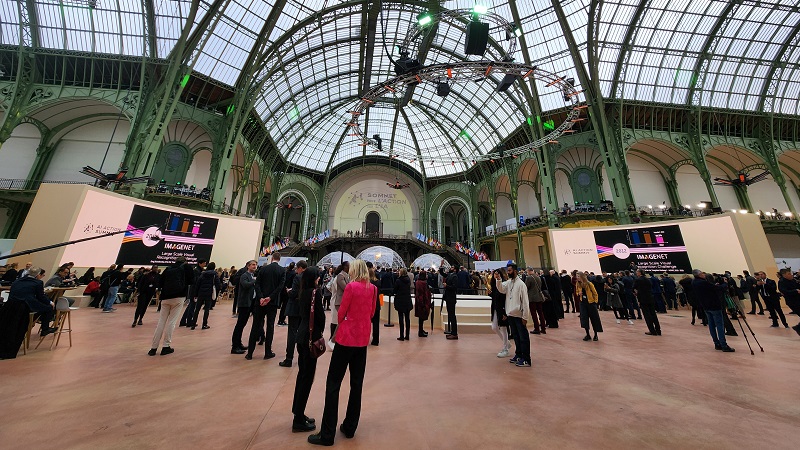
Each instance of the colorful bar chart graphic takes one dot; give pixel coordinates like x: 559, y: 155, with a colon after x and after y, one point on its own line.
x: 639, y: 238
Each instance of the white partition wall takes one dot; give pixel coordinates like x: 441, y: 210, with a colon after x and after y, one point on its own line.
x: 156, y: 234
x: 734, y: 242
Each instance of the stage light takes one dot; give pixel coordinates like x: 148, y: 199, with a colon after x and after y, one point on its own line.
x: 518, y: 31
x: 480, y: 9
x: 424, y: 19
x: 733, y: 211
x: 377, y: 138
x: 787, y: 214
x: 743, y: 211
x: 506, y: 82
x: 701, y: 205
x: 662, y: 206
x: 688, y: 206
x: 442, y: 89
x: 650, y: 206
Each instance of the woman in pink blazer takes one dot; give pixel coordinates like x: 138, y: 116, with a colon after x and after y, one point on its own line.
x: 352, y: 337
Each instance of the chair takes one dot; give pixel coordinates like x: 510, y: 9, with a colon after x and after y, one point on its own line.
x: 62, y: 323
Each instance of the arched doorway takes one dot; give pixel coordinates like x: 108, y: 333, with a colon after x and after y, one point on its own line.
x: 372, y: 223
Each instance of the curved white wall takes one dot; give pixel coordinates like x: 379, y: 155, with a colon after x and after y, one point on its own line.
x: 766, y: 195
x: 198, y: 172
x: 504, y: 210
x: 647, y: 183
x: 526, y: 201
x: 563, y: 189
x: 367, y: 192
x: 19, y: 152
x: 86, y: 146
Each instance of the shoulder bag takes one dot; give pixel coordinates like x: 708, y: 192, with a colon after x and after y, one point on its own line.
x: 316, y: 347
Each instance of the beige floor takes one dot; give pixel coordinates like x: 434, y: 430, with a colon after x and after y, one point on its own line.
x: 626, y: 391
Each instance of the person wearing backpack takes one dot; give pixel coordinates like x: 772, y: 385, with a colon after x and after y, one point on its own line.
x: 173, y: 284
x: 114, y: 281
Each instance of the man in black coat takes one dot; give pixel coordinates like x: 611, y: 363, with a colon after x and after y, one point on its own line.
x: 270, y: 279
x: 553, y: 305
x: 752, y: 287
x: 632, y: 303
x: 186, y: 320
x: 293, y: 313
x: 711, y: 297
x: 463, y: 281
x: 566, y: 288
x: 26, y: 296
x: 790, y: 289
x: 248, y: 294
x: 643, y: 289
x: 288, y: 282
x: 449, y: 297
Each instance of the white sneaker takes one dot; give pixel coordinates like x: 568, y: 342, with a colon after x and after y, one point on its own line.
x: 630, y: 322
x: 503, y: 354
x: 617, y: 321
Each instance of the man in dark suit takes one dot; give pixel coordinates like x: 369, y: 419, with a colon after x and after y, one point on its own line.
x: 249, y: 293
x: 449, y: 297
x: 753, y: 288
x: 463, y: 281
x: 643, y: 289
x: 293, y: 313
x: 270, y: 282
x: 790, y: 289
x: 30, y: 289
x: 772, y: 298
x: 26, y: 295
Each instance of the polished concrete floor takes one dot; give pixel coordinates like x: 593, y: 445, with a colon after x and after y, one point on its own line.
x: 626, y: 391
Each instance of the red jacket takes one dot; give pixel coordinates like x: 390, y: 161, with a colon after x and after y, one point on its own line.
x: 91, y: 288
x: 355, y: 314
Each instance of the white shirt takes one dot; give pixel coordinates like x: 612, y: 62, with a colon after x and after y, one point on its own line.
x: 516, y: 297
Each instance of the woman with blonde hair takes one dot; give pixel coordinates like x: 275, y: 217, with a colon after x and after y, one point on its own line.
x: 352, y: 337
x: 587, y: 294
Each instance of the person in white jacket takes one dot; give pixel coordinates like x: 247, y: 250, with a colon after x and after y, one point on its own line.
x: 518, y: 311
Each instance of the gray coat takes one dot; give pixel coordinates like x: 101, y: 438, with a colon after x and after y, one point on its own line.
x: 248, y: 290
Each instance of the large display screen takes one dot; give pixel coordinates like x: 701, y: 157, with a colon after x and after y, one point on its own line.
x: 708, y: 243
x: 157, y: 236
x: 654, y: 249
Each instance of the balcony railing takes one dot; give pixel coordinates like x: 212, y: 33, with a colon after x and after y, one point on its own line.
x: 32, y: 185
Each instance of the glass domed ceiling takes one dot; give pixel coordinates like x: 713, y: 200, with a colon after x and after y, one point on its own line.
x: 323, y: 53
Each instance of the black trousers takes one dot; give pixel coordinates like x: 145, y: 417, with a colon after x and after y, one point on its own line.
x: 343, y: 357
x: 452, y: 322
x: 291, y: 338
x: 775, y: 311
x: 188, y: 314
x: 282, y: 316
x: 241, y: 322
x: 376, y: 325
x: 142, y: 302
x: 206, y: 304
x: 754, y: 299
x: 795, y: 307
x: 261, y: 314
x: 633, y: 305
x: 404, y: 317
x: 307, y: 368
x: 650, y: 317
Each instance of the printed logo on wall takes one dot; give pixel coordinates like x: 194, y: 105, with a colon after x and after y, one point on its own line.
x: 173, y: 235
x: 653, y: 249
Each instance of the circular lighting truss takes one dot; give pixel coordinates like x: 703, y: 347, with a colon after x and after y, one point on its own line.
x: 460, y: 18
x: 460, y: 73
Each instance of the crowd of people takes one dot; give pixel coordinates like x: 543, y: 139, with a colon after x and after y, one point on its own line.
x: 299, y: 295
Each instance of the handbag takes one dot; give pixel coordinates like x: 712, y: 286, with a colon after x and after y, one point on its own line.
x: 316, y: 347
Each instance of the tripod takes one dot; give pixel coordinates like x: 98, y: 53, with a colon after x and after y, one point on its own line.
x: 736, y: 307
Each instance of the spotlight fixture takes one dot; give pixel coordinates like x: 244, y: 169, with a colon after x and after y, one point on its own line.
x: 518, y: 31
x: 567, y: 93
x: 480, y: 9
x: 378, y: 141
x: 405, y: 64
x: 442, y: 89
x: 506, y: 82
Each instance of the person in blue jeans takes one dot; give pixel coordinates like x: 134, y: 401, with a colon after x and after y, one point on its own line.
x: 711, y: 297
x: 116, y: 276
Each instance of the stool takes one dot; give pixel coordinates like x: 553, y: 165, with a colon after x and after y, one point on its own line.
x: 62, y: 323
